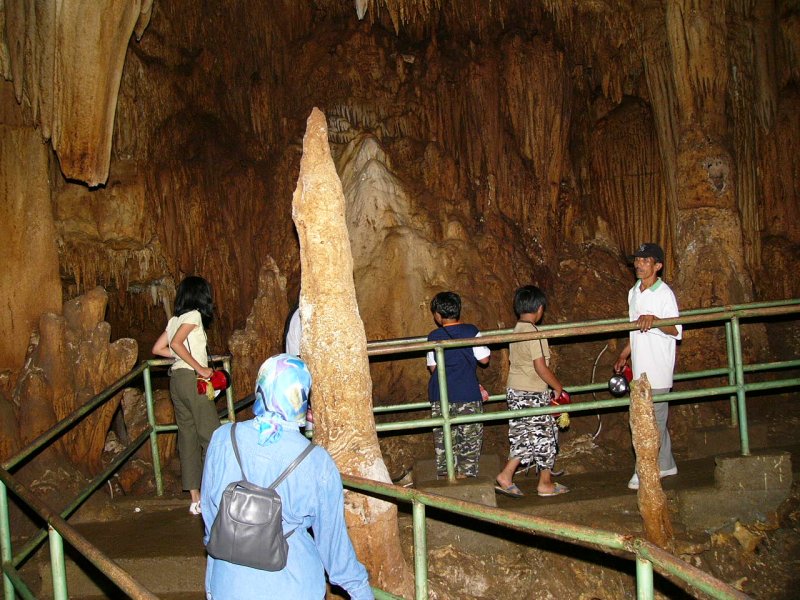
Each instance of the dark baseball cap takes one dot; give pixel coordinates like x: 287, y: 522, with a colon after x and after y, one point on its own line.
x: 649, y: 250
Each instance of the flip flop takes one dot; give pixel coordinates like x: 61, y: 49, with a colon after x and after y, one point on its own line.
x: 557, y: 490
x: 511, y: 491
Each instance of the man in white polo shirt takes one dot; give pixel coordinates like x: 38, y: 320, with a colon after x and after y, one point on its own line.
x: 652, y: 348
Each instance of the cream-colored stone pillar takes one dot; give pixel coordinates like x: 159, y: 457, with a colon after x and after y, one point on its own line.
x: 335, y: 347
x: 646, y: 442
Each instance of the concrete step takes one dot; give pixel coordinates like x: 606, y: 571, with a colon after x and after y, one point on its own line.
x: 156, y: 540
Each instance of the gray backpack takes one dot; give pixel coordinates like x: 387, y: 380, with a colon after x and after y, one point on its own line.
x: 248, y: 528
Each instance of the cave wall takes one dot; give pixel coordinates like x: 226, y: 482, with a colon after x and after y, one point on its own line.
x: 479, y: 149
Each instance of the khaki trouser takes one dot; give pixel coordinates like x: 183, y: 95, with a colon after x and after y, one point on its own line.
x: 196, y: 417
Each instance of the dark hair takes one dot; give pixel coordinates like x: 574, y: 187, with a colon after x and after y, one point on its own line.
x: 528, y: 299
x: 194, y: 293
x: 447, y: 304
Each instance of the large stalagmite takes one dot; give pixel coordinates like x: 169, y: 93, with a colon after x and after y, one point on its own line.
x: 652, y: 500
x: 335, y: 347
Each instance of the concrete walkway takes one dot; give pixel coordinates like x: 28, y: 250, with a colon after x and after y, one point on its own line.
x: 160, y: 543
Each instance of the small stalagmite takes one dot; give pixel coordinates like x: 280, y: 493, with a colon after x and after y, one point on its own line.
x: 646, y: 442
x: 334, y: 345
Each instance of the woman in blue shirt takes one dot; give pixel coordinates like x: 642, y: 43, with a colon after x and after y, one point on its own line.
x: 312, y: 495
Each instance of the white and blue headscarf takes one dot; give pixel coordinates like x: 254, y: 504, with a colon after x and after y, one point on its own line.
x: 282, y: 388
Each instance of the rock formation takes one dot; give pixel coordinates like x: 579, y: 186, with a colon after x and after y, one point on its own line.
x: 72, y: 359
x: 481, y: 146
x: 334, y: 345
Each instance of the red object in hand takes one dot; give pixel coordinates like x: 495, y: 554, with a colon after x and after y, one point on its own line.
x: 628, y: 373
x: 562, y: 399
x: 220, y: 380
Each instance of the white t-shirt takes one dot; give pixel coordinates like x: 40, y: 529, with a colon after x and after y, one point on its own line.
x: 653, y: 352
x: 195, y: 342
x: 294, y: 334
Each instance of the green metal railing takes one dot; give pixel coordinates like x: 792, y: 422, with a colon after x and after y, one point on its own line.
x: 57, y: 527
x: 736, y: 389
x: 646, y: 555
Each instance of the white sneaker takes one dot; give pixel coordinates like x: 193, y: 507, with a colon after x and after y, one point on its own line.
x: 194, y: 508
x: 633, y: 484
x: 668, y: 472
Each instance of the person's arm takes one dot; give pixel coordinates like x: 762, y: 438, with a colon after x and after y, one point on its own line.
x: 161, y: 347
x: 430, y: 360
x: 332, y: 540
x: 481, y: 353
x: 213, y: 474
x: 646, y: 323
x: 547, y: 375
x: 623, y: 358
x: 180, y: 350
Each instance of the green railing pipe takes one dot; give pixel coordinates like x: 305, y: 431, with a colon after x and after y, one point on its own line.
x: 58, y: 568
x: 5, y: 542
x: 70, y: 419
x: 644, y: 579
x: 441, y: 374
x: 383, y: 595
x: 91, y: 487
x: 112, y: 570
x: 603, y: 386
x: 581, y: 406
x: 757, y: 306
x: 571, y: 330
x: 420, y: 549
x: 731, y: 371
x: 489, y: 514
x: 20, y: 588
x: 741, y: 404
x: 151, y: 419
x: 226, y: 364
x: 670, y: 564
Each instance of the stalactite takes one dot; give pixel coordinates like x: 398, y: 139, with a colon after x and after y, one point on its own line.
x: 626, y: 164
x: 753, y: 75
x: 66, y: 63
x: 696, y: 30
x: 664, y: 104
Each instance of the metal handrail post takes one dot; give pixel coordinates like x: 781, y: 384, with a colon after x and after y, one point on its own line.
x: 740, y: 391
x: 444, y: 401
x: 226, y: 364
x: 151, y: 418
x: 731, y: 371
x: 58, y: 567
x: 420, y: 550
x: 5, y: 541
x: 644, y: 579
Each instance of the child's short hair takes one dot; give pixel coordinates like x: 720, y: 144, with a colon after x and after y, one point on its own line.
x: 447, y: 304
x: 528, y: 299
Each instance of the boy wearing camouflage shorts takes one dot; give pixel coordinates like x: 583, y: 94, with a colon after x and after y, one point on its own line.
x: 463, y: 390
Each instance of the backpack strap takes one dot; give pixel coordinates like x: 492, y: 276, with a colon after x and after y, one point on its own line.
x: 293, y: 466
x: 286, y: 471
x: 236, y: 451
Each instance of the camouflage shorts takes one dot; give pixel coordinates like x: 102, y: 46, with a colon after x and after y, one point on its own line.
x: 534, y: 440
x: 467, y: 439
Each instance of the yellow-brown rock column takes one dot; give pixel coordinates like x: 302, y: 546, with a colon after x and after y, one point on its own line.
x: 335, y: 347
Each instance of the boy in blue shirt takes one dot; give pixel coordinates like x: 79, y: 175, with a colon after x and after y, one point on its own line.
x: 463, y: 389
